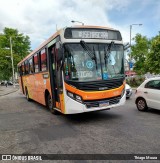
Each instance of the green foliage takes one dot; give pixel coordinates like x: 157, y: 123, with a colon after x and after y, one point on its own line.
x: 146, y: 53
x: 153, y: 58
x: 20, y: 48
x: 135, y: 81
x: 139, y: 53
x: 5, y: 64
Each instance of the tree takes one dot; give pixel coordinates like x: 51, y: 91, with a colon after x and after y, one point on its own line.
x: 20, y: 47
x: 5, y: 65
x: 139, y: 53
x: 153, y: 57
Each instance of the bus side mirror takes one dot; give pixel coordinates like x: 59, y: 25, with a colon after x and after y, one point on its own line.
x: 126, y: 46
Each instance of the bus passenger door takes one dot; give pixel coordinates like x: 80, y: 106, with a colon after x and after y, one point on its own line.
x: 53, y: 76
x: 20, y: 79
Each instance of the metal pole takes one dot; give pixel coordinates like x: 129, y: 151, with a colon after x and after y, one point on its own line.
x: 12, y: 62
x: 130, y: 34
x: 130, y: 50
x: 73, y: 21
x: 131, y: 41
x: 131, y: 31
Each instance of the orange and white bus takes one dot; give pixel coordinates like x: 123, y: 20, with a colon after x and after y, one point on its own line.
x: 78, y: 69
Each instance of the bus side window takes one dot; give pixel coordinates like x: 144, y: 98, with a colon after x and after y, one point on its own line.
x: 22, y: 68
x: 26, y: 67
x: 31, y: 66
x: 36, y: 65
x: 43, y: 56
x: 39, y: 61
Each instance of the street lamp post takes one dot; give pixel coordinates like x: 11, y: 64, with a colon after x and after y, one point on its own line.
x: 13, y: 72
x: 13, y: 77
x: 131, y: 31
x: 73, y: 21
x: 131, y: 40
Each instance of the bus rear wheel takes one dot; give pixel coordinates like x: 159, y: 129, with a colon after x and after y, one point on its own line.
x: 27, y: 96
x: 49, y: 104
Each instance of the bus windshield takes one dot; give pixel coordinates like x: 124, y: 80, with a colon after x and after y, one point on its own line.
x: 93, y: 61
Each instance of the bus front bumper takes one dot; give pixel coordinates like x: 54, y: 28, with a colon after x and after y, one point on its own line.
x: 74, y: 107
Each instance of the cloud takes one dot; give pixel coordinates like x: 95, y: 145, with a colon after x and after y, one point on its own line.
x: 39, y: 18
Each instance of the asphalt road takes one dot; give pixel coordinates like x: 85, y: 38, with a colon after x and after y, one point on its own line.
x: 27, y: 127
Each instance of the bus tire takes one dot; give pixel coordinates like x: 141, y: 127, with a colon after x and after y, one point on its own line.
x: 27, y: 95
x: 49, y: 104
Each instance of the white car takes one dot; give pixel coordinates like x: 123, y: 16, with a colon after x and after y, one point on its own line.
x: 147, y: 94
x: 128, y: 91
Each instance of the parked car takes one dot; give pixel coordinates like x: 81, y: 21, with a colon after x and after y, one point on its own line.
x: 6, y: 82
x: 128, y: 91
x: 2, y: 83
x: 147, y: 94
x: 9, y: 83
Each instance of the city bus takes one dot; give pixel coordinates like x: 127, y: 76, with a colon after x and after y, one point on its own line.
x: 78, y: 69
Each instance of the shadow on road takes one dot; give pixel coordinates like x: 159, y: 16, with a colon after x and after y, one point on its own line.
x: 92, y: 117
x: 153, y: 111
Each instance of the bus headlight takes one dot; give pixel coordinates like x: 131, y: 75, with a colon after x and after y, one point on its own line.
x: 123, y: 91
x: 74, y: 96
x: 70, y: 94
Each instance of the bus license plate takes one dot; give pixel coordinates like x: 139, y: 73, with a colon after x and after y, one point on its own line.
x: 103, y: 103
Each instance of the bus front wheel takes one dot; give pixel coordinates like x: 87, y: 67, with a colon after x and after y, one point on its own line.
x: 49, y: 104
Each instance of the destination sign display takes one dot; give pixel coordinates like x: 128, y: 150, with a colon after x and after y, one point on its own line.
x: 90, y: 33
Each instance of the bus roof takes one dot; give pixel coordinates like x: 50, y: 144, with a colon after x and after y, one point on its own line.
x: 58, y: 33
x: 89, y: 26
x: 41, y: 46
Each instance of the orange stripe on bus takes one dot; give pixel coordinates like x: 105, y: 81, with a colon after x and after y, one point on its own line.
x: 95, y: 95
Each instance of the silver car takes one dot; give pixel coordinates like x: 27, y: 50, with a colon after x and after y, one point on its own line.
x: 147, y: 94
x: 128, y: 91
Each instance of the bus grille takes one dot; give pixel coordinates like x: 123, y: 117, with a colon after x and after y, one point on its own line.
x: 96, y: 103
x: 97, y: 85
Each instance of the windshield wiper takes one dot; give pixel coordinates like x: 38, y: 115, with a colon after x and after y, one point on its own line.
x: 88, y: 50
x: 95, y: 59
x: 107, y: 53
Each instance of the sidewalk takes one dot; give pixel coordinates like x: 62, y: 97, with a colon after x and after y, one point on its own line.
x: 7, y: 90
x: 134, y: 88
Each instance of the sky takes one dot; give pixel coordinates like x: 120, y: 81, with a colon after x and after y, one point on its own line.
x: 39, y: 18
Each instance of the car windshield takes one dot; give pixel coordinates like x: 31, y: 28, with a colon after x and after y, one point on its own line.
x: 93, y: 62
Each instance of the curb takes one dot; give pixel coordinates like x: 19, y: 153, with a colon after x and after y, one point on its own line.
x: 134, y: 88
x: 9, y: 92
